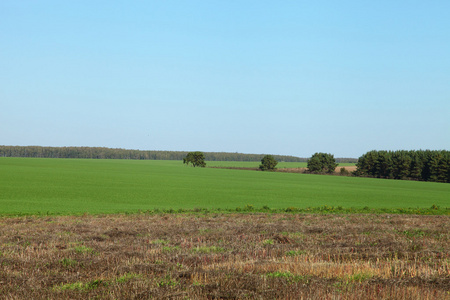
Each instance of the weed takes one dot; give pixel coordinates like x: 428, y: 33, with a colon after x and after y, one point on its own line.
x: 288, y: 276
x: 166, y: 281
x: 159, y: 242
x: 358, y: 277
x: 211, y: 249
x: 84, y: 249
x: 170, y: 248
x: 127, y: 277
x: 80, y: 286
x: 68, y: 262
x: 295, y: 252
x: 249, y: 207
x: 414, y: 233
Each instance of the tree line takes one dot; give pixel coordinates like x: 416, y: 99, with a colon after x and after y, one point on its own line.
x: 117, y: 153
x: 423, y: 165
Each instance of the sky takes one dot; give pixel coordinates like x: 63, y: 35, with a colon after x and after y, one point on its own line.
x: 266, y: 77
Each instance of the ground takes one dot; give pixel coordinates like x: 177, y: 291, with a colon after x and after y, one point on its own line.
x: 225, y: 256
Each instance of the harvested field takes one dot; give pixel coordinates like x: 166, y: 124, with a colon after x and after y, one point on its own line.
x: 349, y: 169
x: 225, y: 256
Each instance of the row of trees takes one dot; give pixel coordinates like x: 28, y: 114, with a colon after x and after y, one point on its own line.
x: 319, y: 163
x: 112, y: 153
x: 424, y: 165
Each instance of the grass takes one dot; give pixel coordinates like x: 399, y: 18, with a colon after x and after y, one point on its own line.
x: 403, y: 257
x: 76, y: 186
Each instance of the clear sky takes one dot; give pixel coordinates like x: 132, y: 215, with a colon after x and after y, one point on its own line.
x: 278, y: 77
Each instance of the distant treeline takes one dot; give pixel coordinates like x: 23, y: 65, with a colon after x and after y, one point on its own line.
x: 424, y: 165
x: 112, y: 153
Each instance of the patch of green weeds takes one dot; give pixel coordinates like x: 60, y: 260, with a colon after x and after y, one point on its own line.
x: 358, y: 277
x: 414, y: 233
x: 342, y: 286
x: 295, y: 252
x: 167, y: 281
x: 160, y: 242
x: 292, y: 278
x: 211, y: 249
x: 268, y: 242
x: 159, y: 262
x: 170, y: 248
x: 80, y: 286
x: 84, y: 249
x: 297, y: 234
x: 195, y: 283
x: 68, y: 262
x: 249, y: 207
x: 127, y: 277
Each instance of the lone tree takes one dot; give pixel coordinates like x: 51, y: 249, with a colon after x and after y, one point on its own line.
x: 322, y: 163
x: 197, y: 159
x: 268, y: 163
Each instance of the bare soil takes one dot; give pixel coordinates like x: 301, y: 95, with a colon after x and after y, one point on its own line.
x: 349, y: 169
x: 225, y: 256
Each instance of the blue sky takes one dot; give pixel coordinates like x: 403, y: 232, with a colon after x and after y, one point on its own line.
x: 278, y: 77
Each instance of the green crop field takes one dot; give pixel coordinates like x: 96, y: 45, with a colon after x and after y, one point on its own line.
x: 66, y: 186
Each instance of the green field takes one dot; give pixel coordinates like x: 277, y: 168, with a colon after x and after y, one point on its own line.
x: 31, y: 185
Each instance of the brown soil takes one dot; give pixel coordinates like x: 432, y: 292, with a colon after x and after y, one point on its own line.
x: 293, y: 170
x: 225, y: 256
x: 304, y: 170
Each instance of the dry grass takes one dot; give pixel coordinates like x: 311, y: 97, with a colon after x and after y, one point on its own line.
x: 348, y: 170
x: 225, y: 256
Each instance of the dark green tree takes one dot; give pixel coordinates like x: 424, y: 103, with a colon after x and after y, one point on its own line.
x: 268, y: 163
x: 322, y: 163
x: 197, y: 159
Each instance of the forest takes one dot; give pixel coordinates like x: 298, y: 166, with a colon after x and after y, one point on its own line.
x: 423, y: 165
x: 117, y: 153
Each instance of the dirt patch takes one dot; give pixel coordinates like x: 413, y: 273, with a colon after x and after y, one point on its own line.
x: 305, y: 170
x: 349, y: 169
